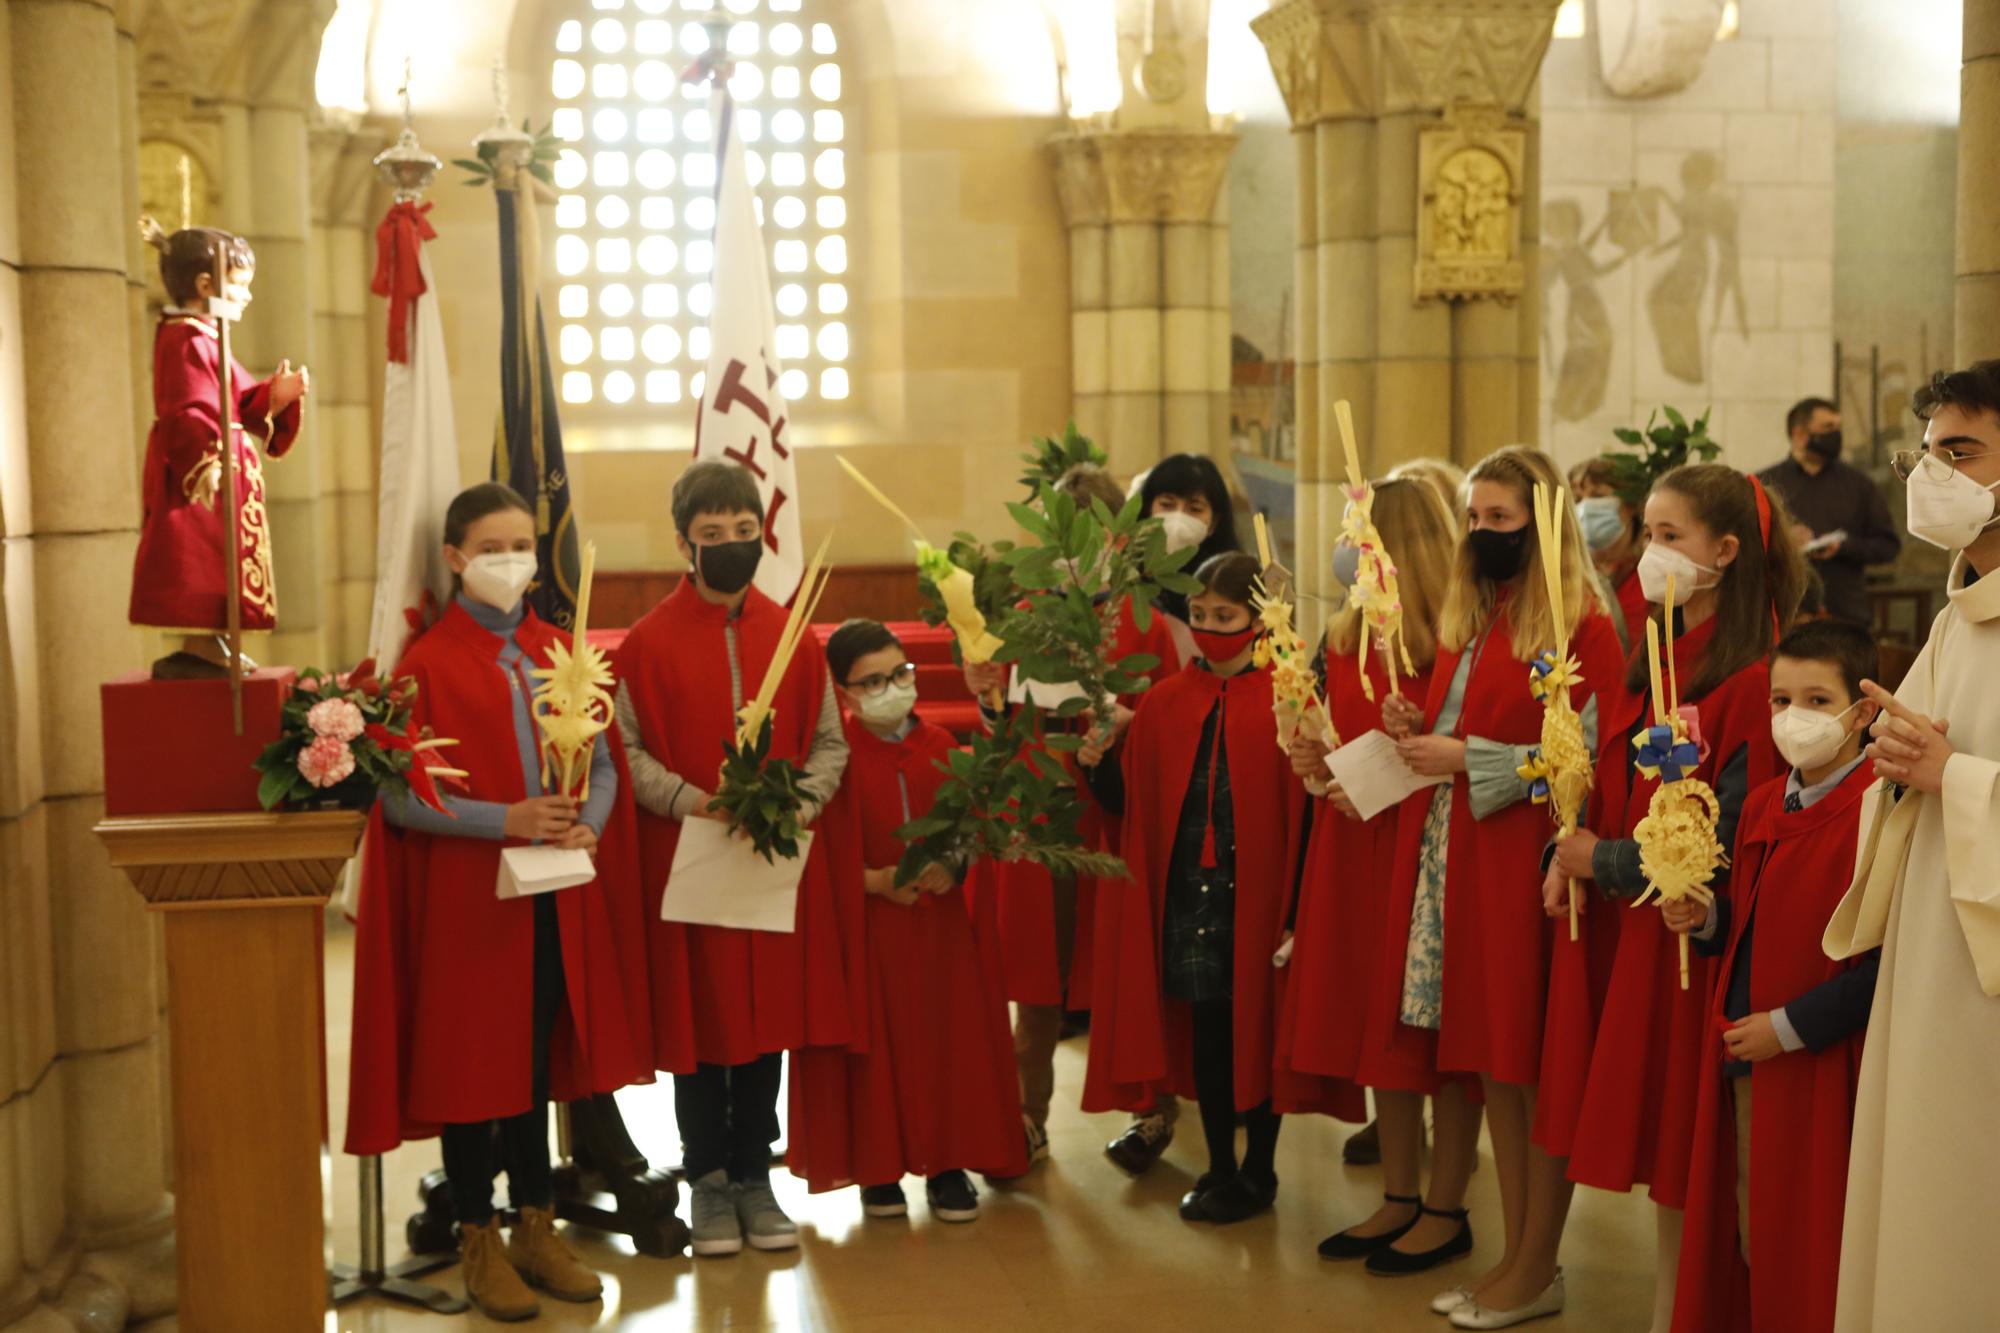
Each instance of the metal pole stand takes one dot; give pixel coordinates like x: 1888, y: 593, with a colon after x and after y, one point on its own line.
x: 603, y: 1181
x: 372, y: 1277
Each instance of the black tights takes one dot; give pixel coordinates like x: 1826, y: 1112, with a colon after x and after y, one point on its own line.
x: 1215, y: 1092
x: 519, y: 1144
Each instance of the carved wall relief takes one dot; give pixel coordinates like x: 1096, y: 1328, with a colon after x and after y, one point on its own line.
x: 1648, y: 48
x: 1469, y: 178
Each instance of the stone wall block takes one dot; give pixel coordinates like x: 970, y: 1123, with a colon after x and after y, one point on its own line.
x: 103, y: 937
x: 114, y: 1159
x: 1186, y: 254
x: 82, y: 466
x: 1133, y: 266
x: 1413, y: 412
x: 1348, y: 296
x: 20, y: 680
x: 1135, y: 337
x: 89, y: 643
x: 27, y: 969
x: 67, y: 147
x: 1090, y: 351
x: 1344, y: 172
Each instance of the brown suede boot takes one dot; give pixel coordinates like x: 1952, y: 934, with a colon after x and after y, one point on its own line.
x: 546, y: 1262
x: 490, y: 1280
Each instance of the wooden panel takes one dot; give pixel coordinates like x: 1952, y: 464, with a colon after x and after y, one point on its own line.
x: 248, y: 1108
x: 881, y: 592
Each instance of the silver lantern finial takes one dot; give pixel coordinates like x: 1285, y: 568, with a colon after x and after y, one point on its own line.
x: 404, y: 166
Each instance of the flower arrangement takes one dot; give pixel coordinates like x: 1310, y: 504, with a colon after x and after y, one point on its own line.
x: 344, y: 738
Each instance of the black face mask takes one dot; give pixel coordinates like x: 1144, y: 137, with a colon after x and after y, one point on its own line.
x: 1497, y: 555
x: 1825, y: 445
x: 728, y: 567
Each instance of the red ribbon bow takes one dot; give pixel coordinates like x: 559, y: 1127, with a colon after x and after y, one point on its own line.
x: 399, y: 241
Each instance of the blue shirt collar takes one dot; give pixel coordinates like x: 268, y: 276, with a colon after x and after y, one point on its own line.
x: 492, y: 619
x: 1810, y: 796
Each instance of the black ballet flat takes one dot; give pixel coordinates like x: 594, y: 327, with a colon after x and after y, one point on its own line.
x: 1191, y: 1202
x: 1237, y: 1199
x: 1387, y: 1262
x: 1341, y: 1245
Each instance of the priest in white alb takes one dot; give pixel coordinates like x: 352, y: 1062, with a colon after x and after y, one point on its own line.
x: 1923, y: 1184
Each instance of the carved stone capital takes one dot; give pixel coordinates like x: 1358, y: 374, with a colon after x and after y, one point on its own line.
x: 1356, y: 59
x: 1649, y: 48
x: 1144, y: 175
x: 246, y: 860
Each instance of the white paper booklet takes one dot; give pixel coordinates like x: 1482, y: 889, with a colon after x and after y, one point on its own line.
x: 526, y: 871
x: 1374, y: 775
x: 719, y: 880
x: 1042, y: 694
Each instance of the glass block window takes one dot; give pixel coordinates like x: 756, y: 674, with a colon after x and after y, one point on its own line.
x: 635, y: 185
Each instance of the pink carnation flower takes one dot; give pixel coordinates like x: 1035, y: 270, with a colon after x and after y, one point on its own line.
x: 327, y: 761
x: 336, y: 718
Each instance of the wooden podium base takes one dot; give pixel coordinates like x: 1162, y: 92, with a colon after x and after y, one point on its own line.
x: 244, y: 896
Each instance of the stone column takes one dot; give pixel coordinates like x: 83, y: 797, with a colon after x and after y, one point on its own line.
x: 270, y: 204
x: 81, y: 1100
x: 345, y: 424
x: 1149, y: 294
x: 1364, y: 80
x: 1978, y: 159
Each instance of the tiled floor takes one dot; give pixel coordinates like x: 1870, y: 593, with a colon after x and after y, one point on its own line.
x: 1076, y: 1247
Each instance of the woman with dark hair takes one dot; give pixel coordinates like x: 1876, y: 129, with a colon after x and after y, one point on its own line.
x: 1186, y: 492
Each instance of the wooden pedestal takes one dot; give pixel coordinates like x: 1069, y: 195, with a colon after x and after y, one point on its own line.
x: 244, y: 896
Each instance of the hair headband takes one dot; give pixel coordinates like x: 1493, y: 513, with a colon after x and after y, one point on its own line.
x: 1763, y: 508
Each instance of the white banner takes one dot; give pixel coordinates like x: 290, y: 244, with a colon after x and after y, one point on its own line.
x: 419, y: 478
x: 742, y: 415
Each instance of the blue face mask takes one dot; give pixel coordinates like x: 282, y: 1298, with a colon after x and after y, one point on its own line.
x: 1346, y: 564
x: 1602, y: 518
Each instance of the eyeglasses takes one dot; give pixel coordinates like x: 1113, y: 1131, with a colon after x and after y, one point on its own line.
x: 1905, y: 462
x: 905, y: 674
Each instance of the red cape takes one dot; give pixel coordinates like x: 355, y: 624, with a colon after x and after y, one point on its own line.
x: 1347, y: 946
x: 441, y: 994
x: 936, y: 1088
x: 1636, y: 1121
x: 755, y: 991
x: 1497, y: 940
x: 1140, y: 1040
x: 177, y: 577
x: 1014, y: 901
x: 1791, y: 871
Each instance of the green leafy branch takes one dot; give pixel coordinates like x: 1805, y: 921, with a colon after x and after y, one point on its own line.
x: 1049, y: 459
x: 998, y: 805
x: 485, y: 169
x: 762, y: 796
x: 1657, y: 450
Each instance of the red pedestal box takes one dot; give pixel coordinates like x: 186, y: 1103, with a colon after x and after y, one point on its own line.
x: 169, y: 747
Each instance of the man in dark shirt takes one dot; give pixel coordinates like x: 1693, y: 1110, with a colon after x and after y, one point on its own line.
x: 1828, y: 497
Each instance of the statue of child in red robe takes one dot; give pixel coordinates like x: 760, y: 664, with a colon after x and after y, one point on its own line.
x: 179, y: 582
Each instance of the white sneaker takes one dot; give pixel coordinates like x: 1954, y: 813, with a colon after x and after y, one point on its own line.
x: 1038, y: 1141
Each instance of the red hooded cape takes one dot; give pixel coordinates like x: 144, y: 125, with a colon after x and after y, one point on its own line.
x: 1345, y: 942
x: 1496, y: 937
x: 1140, y: 1043
x: 1636, y: 1122
x: 1014, y: 901
x: 753, y: 991
x: 177, y: 577
x: 441, y: 994
x: 1791, y: 871
x: 936, y: 1089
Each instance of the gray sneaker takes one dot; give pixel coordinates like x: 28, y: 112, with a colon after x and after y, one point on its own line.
x: 712, y: 1212
x: 763, y: 1221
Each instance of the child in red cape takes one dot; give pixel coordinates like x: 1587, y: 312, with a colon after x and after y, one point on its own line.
x: 685, y: 670
x: 933, y: 1092
x: 1736, y: 575
x: 178, y: 580
x: 1185, y: 991
x: 471, y: 1011
x: 1343, y: 985
x: 1768, y: 1179
x: 1477, y: 963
